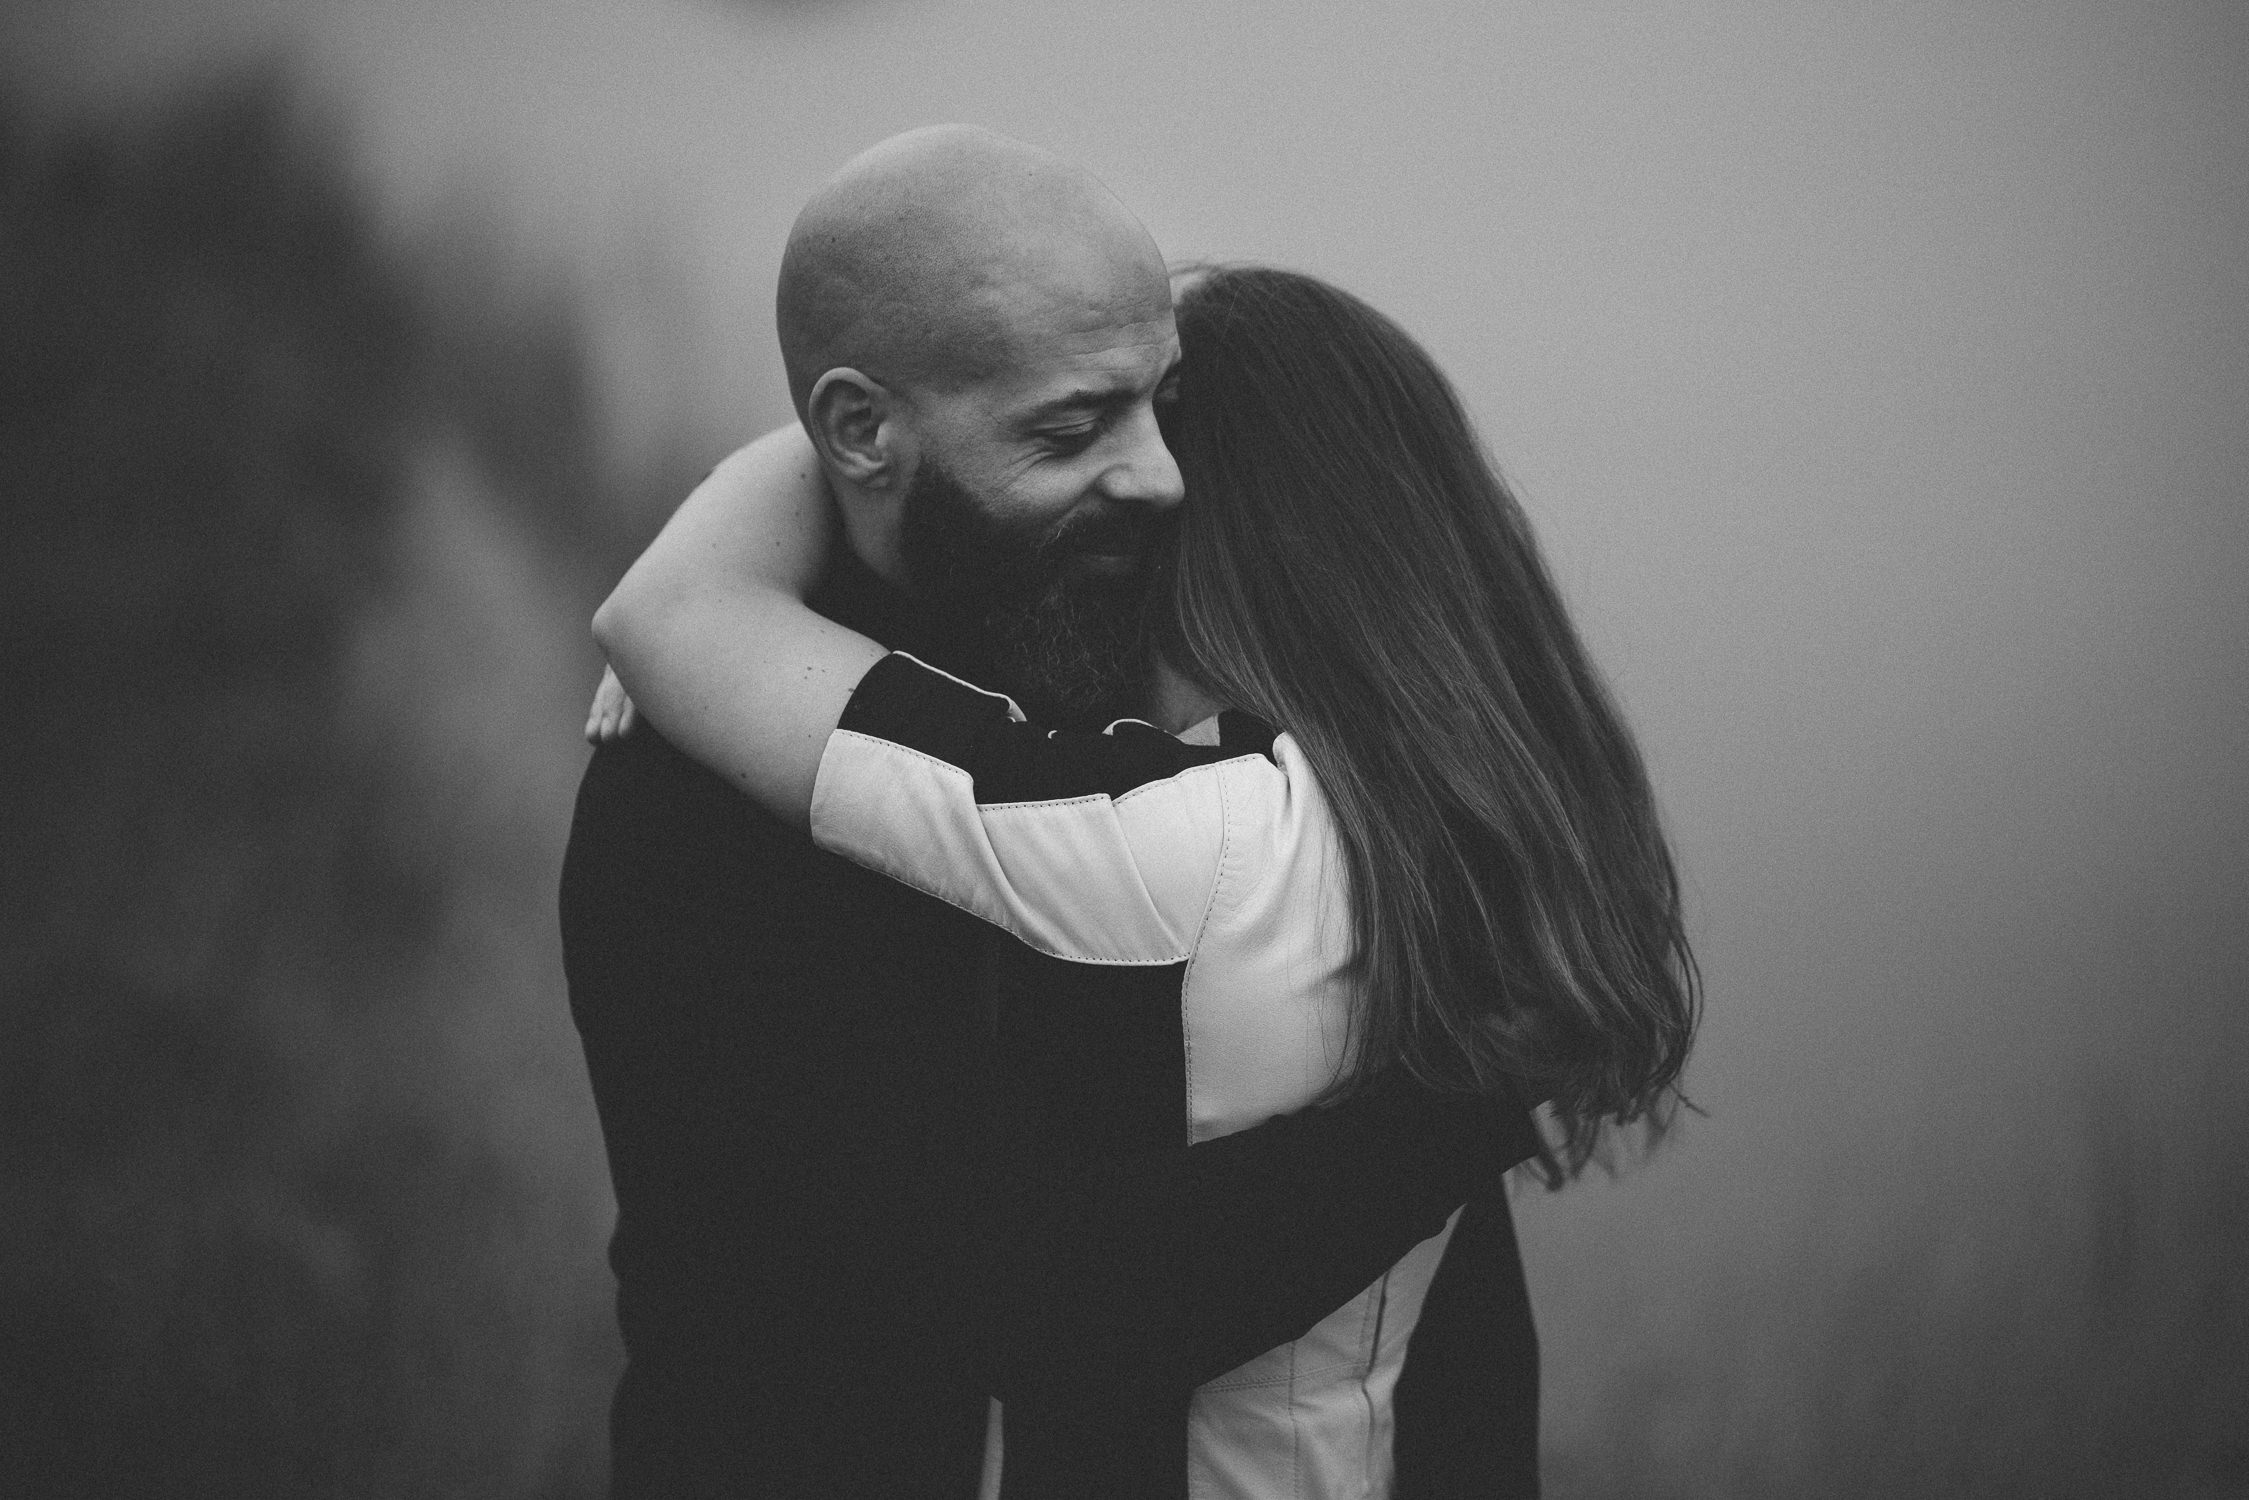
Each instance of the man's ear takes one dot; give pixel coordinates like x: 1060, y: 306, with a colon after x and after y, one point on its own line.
x: 853, y: 422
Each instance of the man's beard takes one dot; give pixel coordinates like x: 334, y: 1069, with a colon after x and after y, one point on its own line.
x: 1065, y: 643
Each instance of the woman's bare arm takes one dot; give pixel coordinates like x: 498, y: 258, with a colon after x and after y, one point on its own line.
x: 709, y: 633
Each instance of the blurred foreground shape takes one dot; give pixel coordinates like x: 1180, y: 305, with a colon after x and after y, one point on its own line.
x: 300, y: 1192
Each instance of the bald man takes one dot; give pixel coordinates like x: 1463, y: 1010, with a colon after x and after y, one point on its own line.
x: 836, y: 1234
x: 974, y: 334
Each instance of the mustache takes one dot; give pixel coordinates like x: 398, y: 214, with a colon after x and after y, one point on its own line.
x: 1121, y: 531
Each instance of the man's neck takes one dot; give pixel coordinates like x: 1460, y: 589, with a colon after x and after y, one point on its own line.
x: 1177, y: 704
x: 853, y: 595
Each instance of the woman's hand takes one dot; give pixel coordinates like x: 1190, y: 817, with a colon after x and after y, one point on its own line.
x: 612, y: 715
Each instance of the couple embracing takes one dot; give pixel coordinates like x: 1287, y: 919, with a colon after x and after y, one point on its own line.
x: 1126, y: 854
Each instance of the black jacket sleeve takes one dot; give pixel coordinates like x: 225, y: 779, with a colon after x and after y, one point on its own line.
x: 1109, y: 1282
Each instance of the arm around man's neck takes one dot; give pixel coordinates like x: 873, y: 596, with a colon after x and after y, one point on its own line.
x: 710, y: 634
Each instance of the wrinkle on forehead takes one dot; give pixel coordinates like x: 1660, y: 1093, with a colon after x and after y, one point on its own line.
x: 947, y: 255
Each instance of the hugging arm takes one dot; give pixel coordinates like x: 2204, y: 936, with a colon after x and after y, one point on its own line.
x: 710, y: 634
x: 1158, y: 1273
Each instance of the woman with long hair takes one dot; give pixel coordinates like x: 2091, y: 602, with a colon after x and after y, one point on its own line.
x: 1396, y: 832
x: 1361, y: 575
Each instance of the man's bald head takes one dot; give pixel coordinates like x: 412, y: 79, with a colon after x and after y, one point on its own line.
x: 929, y: 260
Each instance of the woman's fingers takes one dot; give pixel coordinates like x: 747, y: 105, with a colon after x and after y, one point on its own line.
x: 612, y: 713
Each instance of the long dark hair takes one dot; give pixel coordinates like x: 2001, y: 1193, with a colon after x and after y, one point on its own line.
x: 1350, y: 568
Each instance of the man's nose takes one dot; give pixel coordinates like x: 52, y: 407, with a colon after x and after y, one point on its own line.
x: 1145, y: 473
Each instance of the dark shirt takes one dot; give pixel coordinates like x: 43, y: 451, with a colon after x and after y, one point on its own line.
x: 835, y: 1236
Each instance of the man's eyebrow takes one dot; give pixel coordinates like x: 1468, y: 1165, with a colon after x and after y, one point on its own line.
x: 1096, y: 398
x: 1089, y: 399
